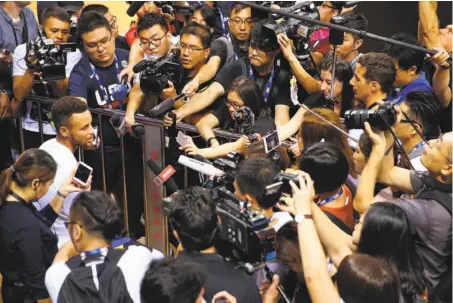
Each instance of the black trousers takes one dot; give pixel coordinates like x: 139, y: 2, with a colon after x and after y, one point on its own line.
x: 15, y: 293
x: 114, y: 178
x: 6, y: 131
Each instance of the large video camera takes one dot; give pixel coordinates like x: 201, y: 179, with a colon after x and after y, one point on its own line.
x: 156, y: 72
x: 382, y: 118
x: 47, y: 58
x: 298, y: 31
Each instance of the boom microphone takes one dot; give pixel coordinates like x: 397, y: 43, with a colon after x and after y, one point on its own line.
x: 169, y: 183
x: 162, y: 107
x: 200, y: 167
x: 134, y: 7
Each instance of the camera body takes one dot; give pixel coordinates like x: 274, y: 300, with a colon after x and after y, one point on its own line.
x: 49, y: 59
x: 281, y: 185
x: 156, y: 72
x: 244, y: 120
x: 382, y: 118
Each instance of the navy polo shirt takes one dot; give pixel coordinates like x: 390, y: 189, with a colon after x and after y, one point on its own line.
x: 418, y: 84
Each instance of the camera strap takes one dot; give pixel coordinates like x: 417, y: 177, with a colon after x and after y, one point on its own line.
x: 224, y: 30
x: 103, y: 89
x: 331, y: 198
x: 268, y: 87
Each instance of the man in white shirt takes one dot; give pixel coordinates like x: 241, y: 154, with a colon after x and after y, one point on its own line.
x: 88, y: 269
x: 72, y: 121
x: 55, y: 25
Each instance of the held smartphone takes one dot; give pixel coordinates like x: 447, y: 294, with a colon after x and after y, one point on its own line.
x: 271, y: 141
x: 82, y: 174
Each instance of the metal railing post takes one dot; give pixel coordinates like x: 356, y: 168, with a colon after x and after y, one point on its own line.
x: 123, y: 170
x: 101, y: 146
x: 41, y: 131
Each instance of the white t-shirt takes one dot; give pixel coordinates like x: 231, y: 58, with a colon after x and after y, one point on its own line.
x: 133, y: 263
x: 19, y: 69
x: 66, y: 163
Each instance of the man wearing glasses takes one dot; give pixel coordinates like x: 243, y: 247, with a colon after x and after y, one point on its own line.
x: 120, y: 41
x: 226, y: 49
x: 55, y: 23
x: 262, y: 66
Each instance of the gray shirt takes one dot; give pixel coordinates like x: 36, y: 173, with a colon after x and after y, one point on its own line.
x: 431, y: 226
x: 8, y: 36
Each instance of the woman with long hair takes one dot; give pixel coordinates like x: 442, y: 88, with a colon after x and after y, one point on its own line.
x: 244, y: 98
x: 27, y: 244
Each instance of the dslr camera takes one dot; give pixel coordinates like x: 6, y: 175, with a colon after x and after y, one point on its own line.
x: 156, y: 72
x: 244, y: 120
x: 381, y: 118
x: 47, y: 58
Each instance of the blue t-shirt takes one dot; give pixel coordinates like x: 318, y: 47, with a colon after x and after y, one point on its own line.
x: 418, y: 84
x: 82, y: 83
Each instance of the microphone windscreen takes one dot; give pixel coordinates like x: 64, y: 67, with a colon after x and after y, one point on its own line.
x: 162, y: 107
x: 156, y: 169
x: 134, y: 7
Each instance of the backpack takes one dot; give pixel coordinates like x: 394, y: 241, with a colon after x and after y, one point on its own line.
x: 79, y: 285
x: 442, y: 292
x: 229, y: 48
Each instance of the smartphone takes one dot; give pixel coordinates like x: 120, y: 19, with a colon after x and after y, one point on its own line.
x: 271, y: 141
x: 82, y: 174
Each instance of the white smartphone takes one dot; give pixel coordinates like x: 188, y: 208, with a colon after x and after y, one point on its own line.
x: 271, y: 141
x: 82, y: 174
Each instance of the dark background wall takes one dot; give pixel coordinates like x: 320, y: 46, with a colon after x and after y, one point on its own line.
x: 386, y: 18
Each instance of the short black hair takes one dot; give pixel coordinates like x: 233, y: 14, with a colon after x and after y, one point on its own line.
x: 99, y: 214
x: 252, y: 177
x: 151, y: 19
x: 64, y: 108
x: 55, y: 12
x: 97, y: 8
x: 208, y: 14
x: 172, y: 281
x: 356, y: 21
x: 91, y: 21
x: 193, y: 216
x: 237, y: 7
x: 379, y: 68
x: 199, y: 31
x: 406, y: 57
x: 263, y: 39
x: 337, y: 5
x: 424, y: 108
x: 327, y: 166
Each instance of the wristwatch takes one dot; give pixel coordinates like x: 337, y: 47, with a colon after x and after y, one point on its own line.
x: 300, y: 217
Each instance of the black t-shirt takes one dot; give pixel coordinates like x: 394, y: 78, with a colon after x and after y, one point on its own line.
x: 280, y: 91
x: 262, y: 125
x: 121, y: 42
x: 82, y: 83
x: 223, y: 276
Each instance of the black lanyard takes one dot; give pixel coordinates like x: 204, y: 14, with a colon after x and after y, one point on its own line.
x: 31, y: 208
x: 24, y: 29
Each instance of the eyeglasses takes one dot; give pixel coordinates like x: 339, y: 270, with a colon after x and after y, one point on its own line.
x: 436, y: 143
x: 238, y: 22
x: 324, y: 5
x: 259, y: 48
x: 95, y: 46
x: 410, y: 121
x: 190, y: 48
x: 113, y: 23
x: 66, y: 224
x: 233, y: 105
x: 154, y: 42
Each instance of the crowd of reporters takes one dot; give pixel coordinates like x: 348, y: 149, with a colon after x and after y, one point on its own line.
x: 366, y: 211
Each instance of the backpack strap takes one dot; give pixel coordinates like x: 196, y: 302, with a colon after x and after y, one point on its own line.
x: 75, y: 263
x: 229, y: 47
x: 113, y: 256
x: 338, y: 222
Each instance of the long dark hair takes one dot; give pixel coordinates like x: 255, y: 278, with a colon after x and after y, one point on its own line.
x: 386, y: 234
x: 251, y: 95
x: 343, y: 73
x: 33, y: 164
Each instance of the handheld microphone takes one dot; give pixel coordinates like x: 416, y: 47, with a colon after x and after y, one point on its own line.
x: 166, y: 176
x: 118, y: 124
x: 200, y: 167
x: 134, y: 7
x: 162, y: 107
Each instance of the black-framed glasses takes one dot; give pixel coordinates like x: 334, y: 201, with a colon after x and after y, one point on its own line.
x: 191, y: 49
x: 436, y: 144
x: 66, y: 224
x: 95, y: 46
x: 325, y: 5
x: 238, y: 22
x: 234, y: 106
x: 409, y: 121
x: 155, y: 42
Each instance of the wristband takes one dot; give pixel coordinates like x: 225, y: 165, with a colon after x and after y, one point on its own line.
x: 61, y: 195
x: 445, y: 67
x: 210, y: 140
x: 299, y: 218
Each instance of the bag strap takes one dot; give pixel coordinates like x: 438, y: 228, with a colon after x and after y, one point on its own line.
x: 440, y: 197
x: 113, y: 256
x: 338, y: 222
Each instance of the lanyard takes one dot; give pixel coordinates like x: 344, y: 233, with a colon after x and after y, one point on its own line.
x: 419, y: 145
x: 268, y: 86
x: 224, y: 30
x: 236, y: 57
x: 352, y: 63
x: 103, y: 90
x: 331, y: 198
x: 32, y: 208
x: 94, y: 252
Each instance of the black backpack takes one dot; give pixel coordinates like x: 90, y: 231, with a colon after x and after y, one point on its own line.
x: 79, y: 284
x: 442, y: 292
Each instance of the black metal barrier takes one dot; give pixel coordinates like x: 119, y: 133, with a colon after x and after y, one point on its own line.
x: 153, y: 147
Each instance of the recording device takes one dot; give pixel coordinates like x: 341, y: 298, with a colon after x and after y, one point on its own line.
x: 201, y: 167
x: 156, y: 72
x: 269, y: 275
x: 382, y: 118
x: 271, y: 141
x: 165, y: 6
x: 82, y: 174
x: 281, y: 185
x: 138, y: 130
x: 95, y: 136
x: 134, y: 7
x: 244, y: 120
x: 119, y: 124
x: 157, y: 170
x: 165, y: 106
x: 120, y: 91
x: 49, y: 59
x: 298, y: 31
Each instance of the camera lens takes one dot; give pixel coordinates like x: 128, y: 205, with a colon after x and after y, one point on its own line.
x: 382, y: 118
x: 153, y: 85
x: 355, y: 118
